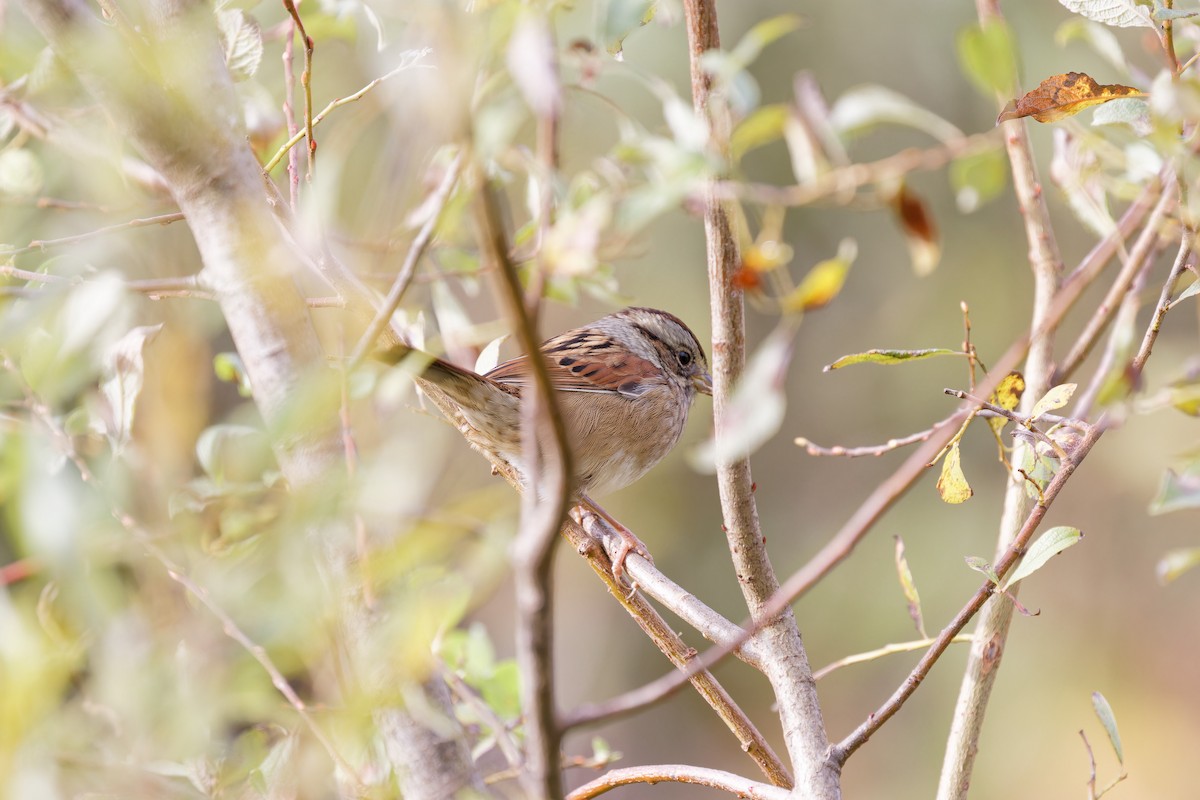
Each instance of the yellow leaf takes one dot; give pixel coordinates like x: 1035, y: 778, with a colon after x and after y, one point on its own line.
x: 1061, y: 96
x: 952, y: 485
x: 823, y: 282
x: 1007, y: 396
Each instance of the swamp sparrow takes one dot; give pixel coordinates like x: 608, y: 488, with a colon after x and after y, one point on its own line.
x: 626, y: 383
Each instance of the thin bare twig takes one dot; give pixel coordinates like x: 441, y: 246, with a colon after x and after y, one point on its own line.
x: 886, y: 650
x: 289, y: 114
x: 306, y: 83
x: 869, y: 450
x: 410, y: 60
x: 1186, y: 243
x: 41, y: 245
x: 679, y: 773
x: 408, y: 269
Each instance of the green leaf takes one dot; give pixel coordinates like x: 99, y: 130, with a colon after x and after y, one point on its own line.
x: 228, y: 367
x: 1168, y: 14
x: 910, y: 588
x: 1178, y: 490
x: 1057, y: 397
x: 1191, y: 291
x: 1048, y: 545
x: 986, y: 55
x: 242, y: 39
x: 763, y: 126
x: 621, y: 19
x: 1175, y: 563
x: 1109, y: 721
x: 980, y: 565
x: 501, y: 691
x: 1118, y: 13
x: 862, y: 108
x: 952, y: 483
x: 234, y: 453
x: 761, y: 35
x: 978, y: 178
x: 21, y: 173
x: 1131, y: 111
x: 890, y: 357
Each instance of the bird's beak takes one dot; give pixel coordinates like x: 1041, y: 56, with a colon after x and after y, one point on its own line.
x: 703, y: 383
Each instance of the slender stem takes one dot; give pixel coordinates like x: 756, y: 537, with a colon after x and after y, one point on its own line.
x: 289, y: 113
x: 679, y: 773
x: 871, y: 450
x: 886, y: 650
x: 41, y: 245
x: 1186, y: 244
x: 408, y: 269
x: 541, y: 519
x: 306, y: 84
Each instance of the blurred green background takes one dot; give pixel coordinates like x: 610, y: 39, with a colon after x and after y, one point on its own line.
x: 1106, y: 624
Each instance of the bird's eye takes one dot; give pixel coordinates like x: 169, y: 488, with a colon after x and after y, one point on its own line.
x: 684, y: 357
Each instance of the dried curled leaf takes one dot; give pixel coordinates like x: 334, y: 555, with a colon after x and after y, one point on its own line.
x: 920, y: 231
x: 1061, y: 96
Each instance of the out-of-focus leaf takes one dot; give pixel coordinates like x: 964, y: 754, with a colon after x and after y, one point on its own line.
x: 1191, y: 291
x: 1061, y: 96
x: 1118, y: 13
x: 1057, y: 397
x: 501, y: 691
x: 234, y: 453
x: 823, y: 282
x: 1007, y: 396
x: 764, y: 33
x: 986, y: 55
x: 766, y: 256
x: 980, y: 565
x: 861, y: 108
x: 1098, y: 37
x: 622, y: 18
x: 890, y: 357
x: 242, y: 39
x: 125, y: 368
x: 920, y: 231
x: 952, y: 484
x: 1175, y: 563
x: 762, y: 127
x: 489, y: 356
x: 910, y: 588
x: 978, y: 178
x: 1130, y: 111
x: 228, y: 367
x: 1169, y: 14
x: 570, y: 246
x: 1048, y: 545
x: 21, y: 173
x: 1076, y: 171
x: 532, y: 63
x: 1173, y: 101
x: 327, y: 27
x: 755, y: 410
x: 1109, y: 721
x: 1178, y: 490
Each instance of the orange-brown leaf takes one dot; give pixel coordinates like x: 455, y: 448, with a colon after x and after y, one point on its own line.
x: 1061, y: 96
x: 920, y: 231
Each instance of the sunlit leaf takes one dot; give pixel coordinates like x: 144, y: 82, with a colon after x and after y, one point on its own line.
x: 228, y: 367
x: 489, y: 356
x: 1130, y: 111
x: 890, y: 357
x: 1175, y: 563
x: 909, y: 587
x: 1178, y: 490
x: 1109, y: 721
x: 531, y: 61
x: 1061, y: 96
x: 1076, y: 170
x: 1007, y: 396
x: 756, y: 409
x: 21, y: 173
x: 978, y: 178
x: 763, y: 126
x: 980, y: 565
x: 125, y: 369
x: 1118, y: 13
x: 920, y: 231
x: 1048, y: 545
x: 862, y: 108
x: 1057, y: 397
x: 242, y: 39
x: 823, y: 282
x: 986, y: 55
x: 952, y: 484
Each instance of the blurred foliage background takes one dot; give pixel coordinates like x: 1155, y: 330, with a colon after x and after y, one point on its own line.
x: 115, y: 680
